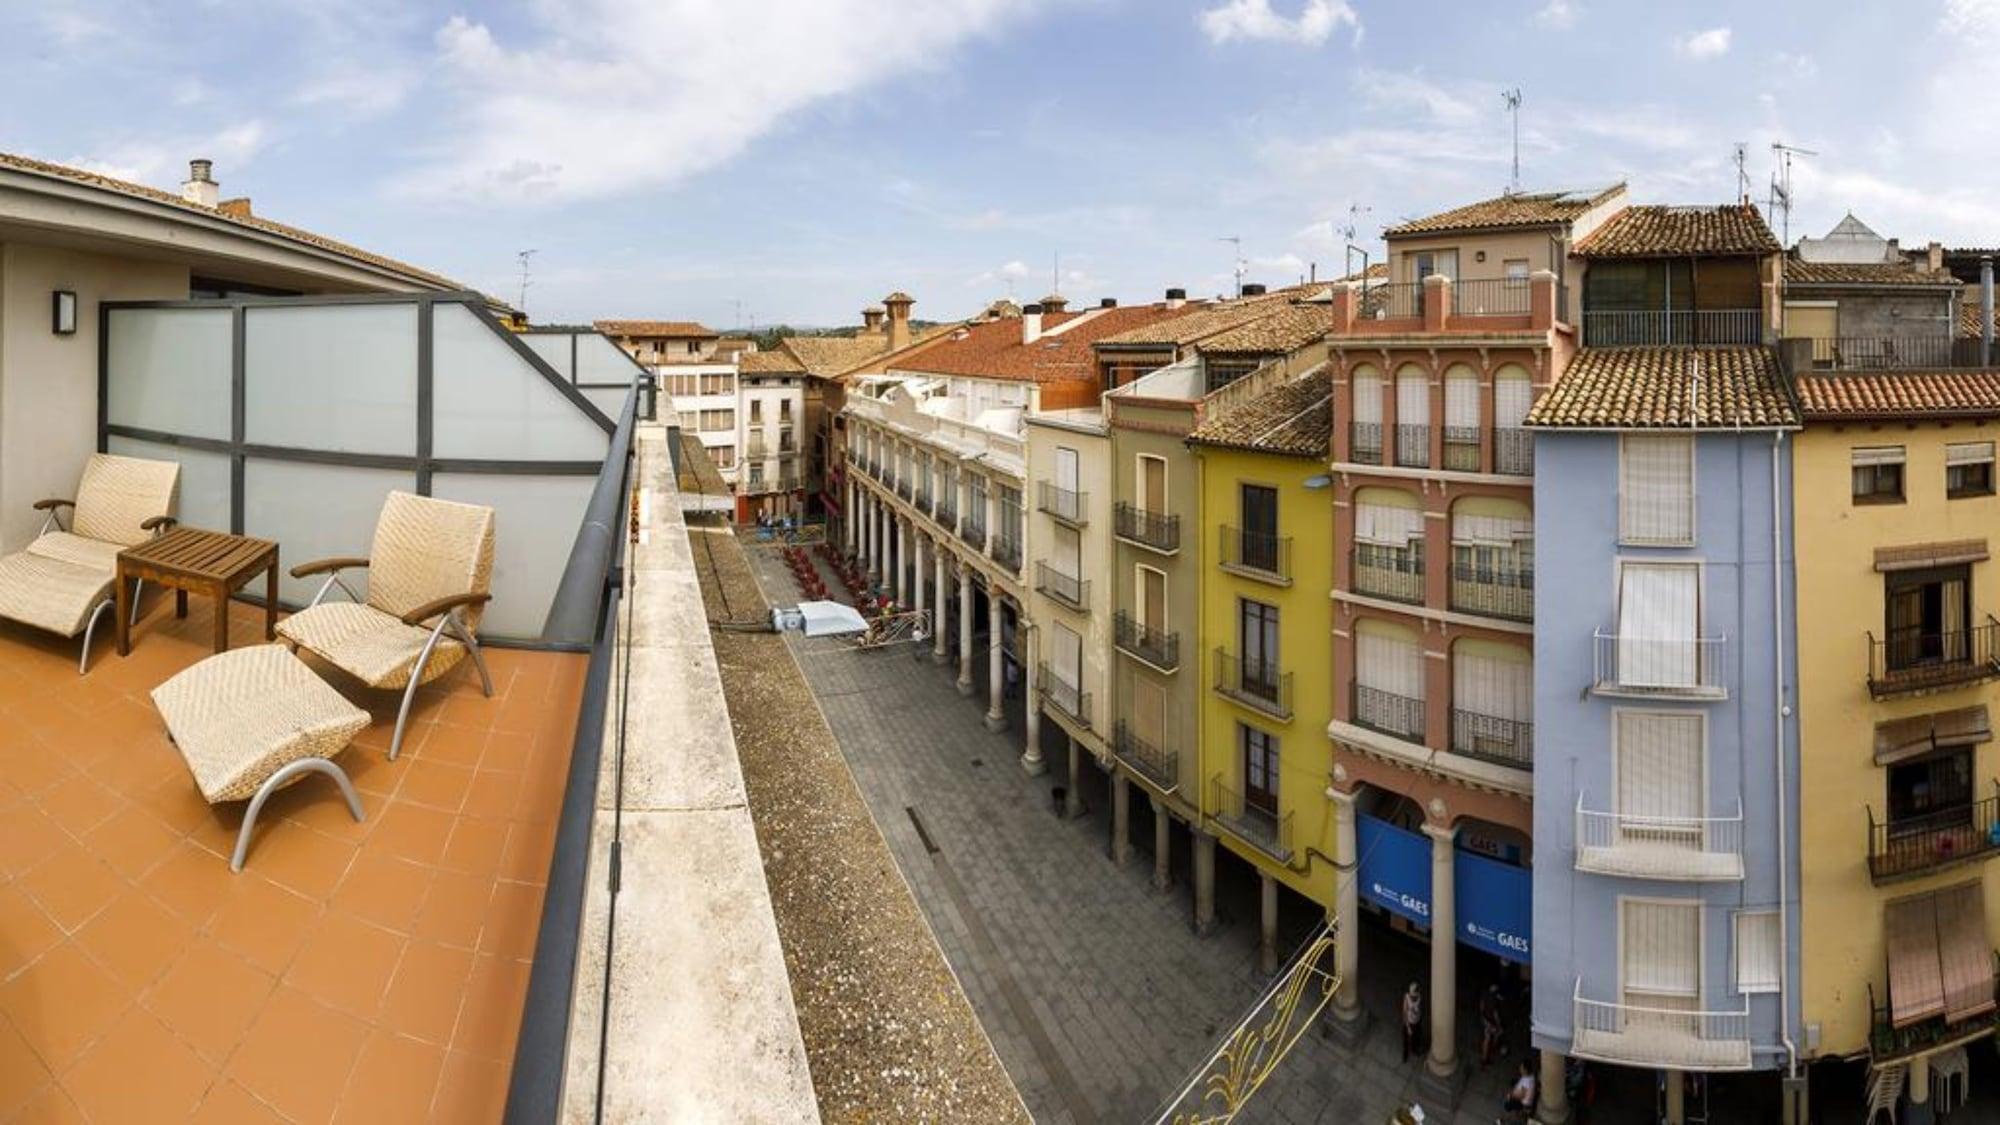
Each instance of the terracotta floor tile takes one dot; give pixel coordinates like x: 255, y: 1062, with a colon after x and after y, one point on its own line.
x: 61, y: 1003
x: 133, y: 841
x: 178, y: 804
x: 138, y: 1072
x: 29, y: 839
x: 455, y: 909
x: 22, y: 1071
x: 512, y: 918
x: 476, y: 846
x: 276, y: 1064
x: 529, y: 849
x: 230, y: 1104
x: 427, y: 991
x: 452, y: 743
x: 79, y: 803
x: 393, y: 1081
x: 191, y: 882
x: 495, y: 793
x: 508, y: 750
x: 436, y: 784
x: 264, y: 922
x: 347, y: 963
x: 209, y: 996
x: 298, y: 858
x: 470, y: 1089
x: 72, y: 886
x: 384, y: 889
x: 412, y: 832
x: 25, y: 931
x: 316, y: 803
x: 136, y: 938
x: 490, y: 1019
x: 51, y: 1107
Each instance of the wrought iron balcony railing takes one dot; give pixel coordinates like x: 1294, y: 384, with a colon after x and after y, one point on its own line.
x: 1155, y: 530
x: 1401, y: 716
x: 1007, y: 551
x: 1255, y: 683
x: 1461, y: 448
x: 1490, y: 738
x: 1158, y: 764
x: 1911, y: 660
x: 1670, y: 667
x: 1064, y: 696
x: 1063, y: 504
x: 1065, y: 589
x: 1396, y: 573
x: 1257, y: 555
x: 1499, y: 296
x: 1621, y: 328
x: 1895, y: 353
x: 1688, y: 848
x: 1157, y: 647
x: 1513, y: 451
x: 972, y: 533
x: 1914, y: 845
x: 1505, y: 591
x: 1365, y: 447
x: 1256, y: 822
x: 1391, y: 300
x: 1413, y: 445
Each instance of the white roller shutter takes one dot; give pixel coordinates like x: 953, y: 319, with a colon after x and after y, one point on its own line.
x: 1500, y: 689
x: 1512, y: 396
x: 1757, y: 951
x: 1658, y: 622
x: 1461, y: 399
x: 1387, y: 526
x: 1066, y: 655
x: 1389, y: 662
x: 1656, y: 489
x: 1413, y: 398
x: 1659, y: 764
x: 1662, y: 950
x: 1368, y: 396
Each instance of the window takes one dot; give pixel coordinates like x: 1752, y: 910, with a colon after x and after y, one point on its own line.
x: 718, y: 419
x: 1427, y: 262
x: 1152, y: 600
x: 1656, y: 489
x: 1517, y: 270
x: 1257, y: 633
x: 1389, y: 679
x: 693, y: 348
x: 1066, y: 656
x: 756, y: 411
x: 756, y: 472
x: 1757, y: 951
x: 1662, y: 953
x: 1968, y: 469
x: 1926, y: 615
x: 1413, y: 417
x: 1658, y: 759
x: 1260, y: 768
x: 1878, y: 474
x: 1152, y: 484
x: 1659, y: 625
x: 725, y: 456
x: 1931, y: 792
x: 1260, y: 527
x: 1461, y: 419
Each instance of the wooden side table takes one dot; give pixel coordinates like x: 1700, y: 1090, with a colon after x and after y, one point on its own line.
x: 214, y: 563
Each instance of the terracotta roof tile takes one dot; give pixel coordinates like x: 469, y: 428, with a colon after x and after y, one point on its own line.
x: 1656, y: 388
x: 1283, y: 331
x: 1653, y: 231
x: 1294, y: 418
x: 778, y: 360
x: 676, y: 328
x: 827, y: 356
x: 1863, y: 273
x: 1968, y: 319
x: 993, y: 349
x: 1519, y: 209
x: 1900, y: 394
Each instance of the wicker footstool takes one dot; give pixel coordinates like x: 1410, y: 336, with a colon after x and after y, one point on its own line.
x: 252, y: 721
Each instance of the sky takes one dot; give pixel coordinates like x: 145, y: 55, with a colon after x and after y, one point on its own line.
x: 749, y: 162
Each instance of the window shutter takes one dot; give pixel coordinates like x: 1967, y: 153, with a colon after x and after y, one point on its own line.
x: 1413, y: 398
x: 1068, y: 655
x: 1461, y: 399
x: 1757, y: 951
x: 1386, y: 661
x: 1656, y: 496
x: 1367, y: 396
x: 1663, y: 949
x: 1500, y: 689
x: 1968, y: 453
x: 1513, y: 394
x: 1658, y: 625
x: 1659, y: 764
x: 1877, y: 455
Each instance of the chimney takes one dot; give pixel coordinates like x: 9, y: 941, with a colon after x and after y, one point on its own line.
x: 1054, y: 302
x: 871, y: 320
x: 898, y: 304
x: 1031, y: 324
x: 1934, y: 257
x: 200, y: 187
x: 1108, y: 303
x: 1986, y: 312
x: 1176, y: 298
x: 1253, y: 290
x: 238, y: 208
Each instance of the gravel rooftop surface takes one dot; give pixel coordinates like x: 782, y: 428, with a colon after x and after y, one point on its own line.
x: 888, y: 1031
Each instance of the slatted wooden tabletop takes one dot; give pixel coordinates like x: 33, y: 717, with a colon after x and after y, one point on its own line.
x: 213, y: 555
x: 214, y: 563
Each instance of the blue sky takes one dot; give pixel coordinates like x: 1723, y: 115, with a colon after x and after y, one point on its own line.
x: 673, y: 158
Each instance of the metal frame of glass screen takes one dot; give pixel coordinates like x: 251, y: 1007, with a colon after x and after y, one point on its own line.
x: 422, y: 465
x: 574, y: 380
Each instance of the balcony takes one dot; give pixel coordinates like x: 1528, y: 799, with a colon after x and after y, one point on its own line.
x: 1461, y: 449
x: 1887, y: 1041
x: 1395, y: 573
x: 1254, y: 554
x: 1513, y: 451
x: 1500, y: 296
x: 946, y: 511
x: 1663, y: 667
x: 1160, y: 649
x: 1064, y: 696
x: 1680, y: 848
x: 1918, y: 845
x: 1156, y: 764
x: 1007, y: 551
x: 1064, y: 505
x: 1624, y: 328
x: 1506, y: 591
x: 1504, y: 742
x: 973, y: 534
x: 1365, y: 444
x: 903, y: 490
x: 1256, y: 684
x: 1895, y: 353
x: 1413, y: 445
x: 1063, y: 589
x: 1399, y: 716
x: 1665, y: 1037
x: 1401, y: 300
x: 1255, y: 824
x: 1154, y: 531
x: 1911, y: 661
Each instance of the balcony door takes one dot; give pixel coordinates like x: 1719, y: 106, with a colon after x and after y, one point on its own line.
x: 1927, y: 615
x: 1257, y: 636
x: 1659, y: 621
x: 1661, y: 964
x: 1260, y: 770
x: 1152, y: 599
x: 1149, y: 712
x: 1931, y: 793
x: 1661, y: 778
x: 1153, y: 484
x: 1260, y: 527
x: 1066, y: 660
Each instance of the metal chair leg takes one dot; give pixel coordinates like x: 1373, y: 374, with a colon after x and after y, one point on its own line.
x: 410, y: 692
x: 138, y: 587
x: 471, y: 644
x: 83, y: 661
x: 276, y: 782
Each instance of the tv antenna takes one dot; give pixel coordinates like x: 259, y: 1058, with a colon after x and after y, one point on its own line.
x: 1347, y: 232
x: 1237, y: 242
x: 1512, y: 98
x: 1742, y: 173
x: 523, y: 257
x: 1781, y: 186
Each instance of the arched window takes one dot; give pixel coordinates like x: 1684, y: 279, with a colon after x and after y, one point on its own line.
x: 1389, y: 679
x: 1367, y: 435
x: 1493, y: 701
x: 1389, y: 544
x: 1413, y: 417
x: 1513, y: 446
x: 1493, y: 557
x: 1461, y: 419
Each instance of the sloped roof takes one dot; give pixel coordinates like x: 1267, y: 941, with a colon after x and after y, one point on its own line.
x: 1968, y: 319
x: 1900, y: 395
x: 1864, y: 273
x: 1294, y: 418
x: 994, y: 349
x: 832, y: 355
x: 1198, y: 320
x: 645, y: 328
x: 1668, y: 388
x: 1655, y: 231
x: 1503, y: 212
x: 1283, y: 331
x: 777, y: 360
x: 239, y: 214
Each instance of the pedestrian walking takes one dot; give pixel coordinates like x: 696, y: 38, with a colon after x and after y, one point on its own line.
x: 1413, y: 1021
x: 1492, y: 1026
x: 1520, y: 1103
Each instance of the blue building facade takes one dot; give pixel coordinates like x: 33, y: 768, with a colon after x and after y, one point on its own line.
x: 1666, y: 757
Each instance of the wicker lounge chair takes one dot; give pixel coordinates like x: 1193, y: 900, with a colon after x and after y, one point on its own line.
x: 252, y: 721
x: 62, y: 582
x: 429, y: 573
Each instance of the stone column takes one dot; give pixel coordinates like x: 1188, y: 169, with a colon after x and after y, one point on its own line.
x: 1204, y: 882
x: 1163, y: 847
x: 1346, y: 913
x: 1031, y: 749
x: 1267, y: 934
x: 1073, y: 796
x: 874, y: 537
x: 848, y: 488
x: 964, y: 631
x: 1676, y: 1099
x: 917, y: 574
x: 1121, y: 818
x: 996, y: 679
x: 937, y: 564
x: 1443, y: 1062
x: 992, y: 513
x: 1552, y: 1102
x: 902, y: 561
x: 1918, y: 1112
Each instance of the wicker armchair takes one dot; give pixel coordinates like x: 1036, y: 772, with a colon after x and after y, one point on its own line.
x: 62, y: 582
x: 429, y: 575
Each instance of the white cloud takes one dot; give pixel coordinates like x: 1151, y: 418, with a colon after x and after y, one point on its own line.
x: 1010, y: 272
x: 1700, y: 45
x: 1557, y: 14
x: 358, y: 90
x: 1255, y: 20
x: 1974, y: 19
x: 1393, y: 90
x: 162, y: 162
x: 583, y: 103
x: 1794, y: 64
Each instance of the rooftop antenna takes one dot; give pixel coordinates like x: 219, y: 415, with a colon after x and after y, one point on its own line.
x: 1237, y: 242
x: 1742, y: 173
x: 523, y: 257
x: 1354, y: 213
x: 1781, y: 187
x: 1512, y: 98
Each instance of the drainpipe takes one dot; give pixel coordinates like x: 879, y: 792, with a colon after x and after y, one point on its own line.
x: 1986, y: 312
x: 1779, y: 713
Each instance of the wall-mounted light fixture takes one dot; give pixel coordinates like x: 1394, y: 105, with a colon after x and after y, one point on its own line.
x: 63, y: 321
x: 1317, y: 482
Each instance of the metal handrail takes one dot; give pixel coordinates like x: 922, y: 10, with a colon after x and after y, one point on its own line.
x: 1665, y: 666
x: 1155, y: 646
x: 1614, y: 328
x: 1394, y: 714
x: 1494, y: 591
x: 1491, y: 738
x: 1934, y: 839
x: 1365, y: 443
x: 1258, y: 552
x: 1064, y: 504
x: 1070, y: 698
x: 573, y: 614
x: 1913, y: 660
x: 1069, y: 589
x: 1497, y: 296
x: 1254, y: 683
x: 1268, y: 830
x: 1710, y: 834
x: 1157, y: 530
x: 1396, y: 573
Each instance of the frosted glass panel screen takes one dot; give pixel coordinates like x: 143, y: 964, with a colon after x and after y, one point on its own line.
x: 204, y: 499
x: 313, y: 512
x: 491, y: 404
x: 169, y: 370
x: 553, y: 347
x: 611, y: 400
x: 598, y: 360
x: 534, y: 523
x: 332, y: 377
